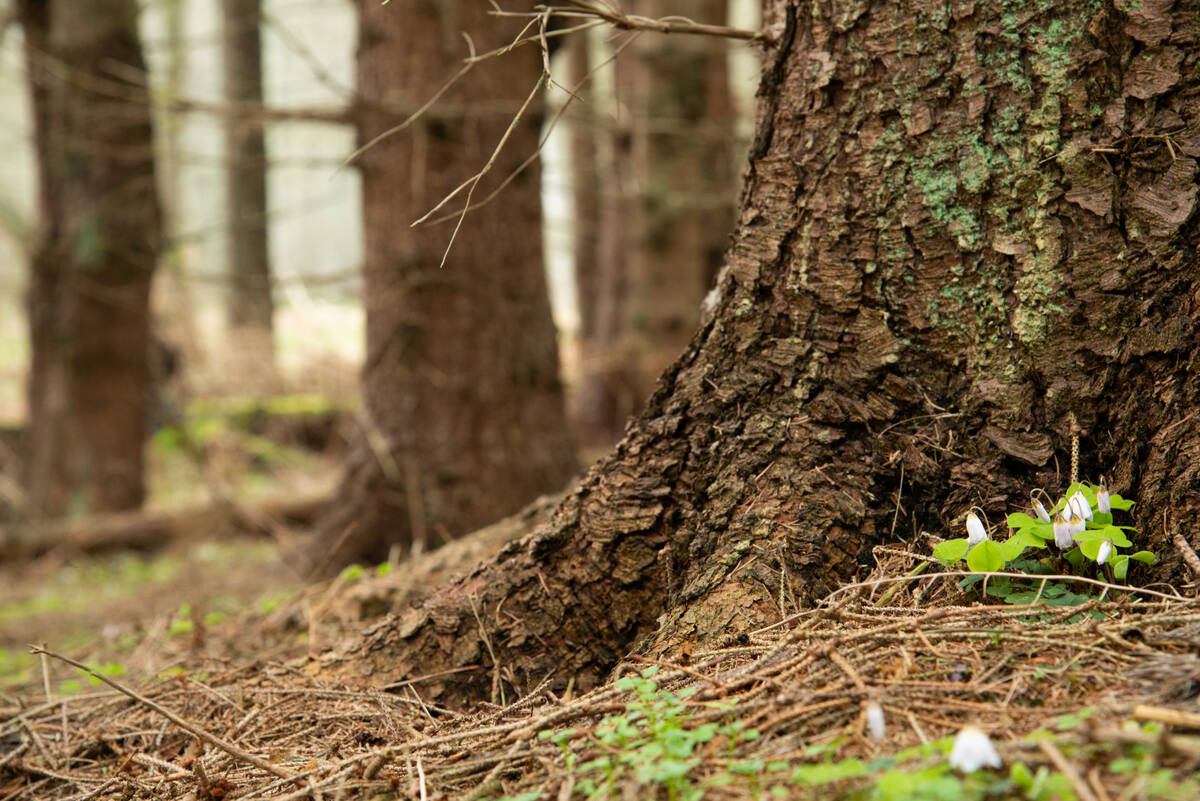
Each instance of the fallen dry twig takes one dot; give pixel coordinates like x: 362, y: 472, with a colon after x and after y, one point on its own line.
x: 144, y: 529
x: 187, y: 726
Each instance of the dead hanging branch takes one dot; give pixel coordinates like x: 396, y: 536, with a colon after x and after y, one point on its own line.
x: 572, y: 95
x: 597, y: 9
x: 523, y: 38
x: 471, y: 183
x: 585, y: 14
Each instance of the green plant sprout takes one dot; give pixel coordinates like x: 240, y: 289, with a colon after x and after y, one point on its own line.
x: 1080, y: 525
x: 919, y: 773
x: 650, y: 743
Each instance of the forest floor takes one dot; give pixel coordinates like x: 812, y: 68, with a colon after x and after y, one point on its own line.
x: 194, y: 671
x: 222, y: 698
x: 136, y: 611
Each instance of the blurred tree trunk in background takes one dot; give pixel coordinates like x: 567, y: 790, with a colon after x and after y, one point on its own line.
x: 949, y: 245
x: 667, y: 184
x: 682, y: 118
x: 99, y: 238
x: 463, y: 409
x: 250, y: 304
x: 603, y: 194
x: 177, y: 335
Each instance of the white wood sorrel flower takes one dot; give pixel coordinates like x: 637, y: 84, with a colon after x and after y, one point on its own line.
x: 1040, y: 511
x: 976, y: 533
x: 1080, y: 505
x: 1103, y: 503
x: 1104, y: 552
x: 1063, y: 535
x: 973, y: 750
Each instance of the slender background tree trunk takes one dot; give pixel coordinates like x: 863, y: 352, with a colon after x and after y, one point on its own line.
x: 250, y: 304
x: 178, y: 310
x: 99, y: 236
x: 605, y: 196
x: 463, y: 410
x: 677, y: 97
x: 655, y: 198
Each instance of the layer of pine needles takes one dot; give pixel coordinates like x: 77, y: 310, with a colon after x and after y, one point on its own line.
x: 933, y: 661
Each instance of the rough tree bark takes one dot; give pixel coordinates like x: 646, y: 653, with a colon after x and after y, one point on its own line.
x: 463, y: 417
x: 99, y: 238
x: 250, y: 304
x: 962, y: 223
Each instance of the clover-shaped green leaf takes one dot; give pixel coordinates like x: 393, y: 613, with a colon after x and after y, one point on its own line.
x: 986, y: 557
x: 950, y: 551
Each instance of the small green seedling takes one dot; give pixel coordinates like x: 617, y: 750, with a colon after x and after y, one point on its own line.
x: 652, y: 743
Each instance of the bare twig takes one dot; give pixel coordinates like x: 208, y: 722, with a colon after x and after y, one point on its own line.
x: 41, y: 747
x: 541, y: 18
x: 1067, y: 769
x: 94, y: 792
x: 497, y: 685
x: 575, y: 9
x: 416, y: 115
x: 572, y: 95
x: 16, y: 752
x: 171, y: 772
x: 471, y: 183
x: 682, y: 669
x: 396, y: 685
x: 1173, y: 717
x: 848, y: 669
x: 472, y: 59
x: 891, y: 591
x: 1185, y: 550
x: 207, y: 737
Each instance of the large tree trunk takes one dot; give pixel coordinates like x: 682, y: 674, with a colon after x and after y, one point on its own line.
x: 99, y: 235
x: 250, y: 304
x: 962, y: 224
x: 463, y: 417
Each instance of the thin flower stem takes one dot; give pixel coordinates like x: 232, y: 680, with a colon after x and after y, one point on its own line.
x: 1041, y: 588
